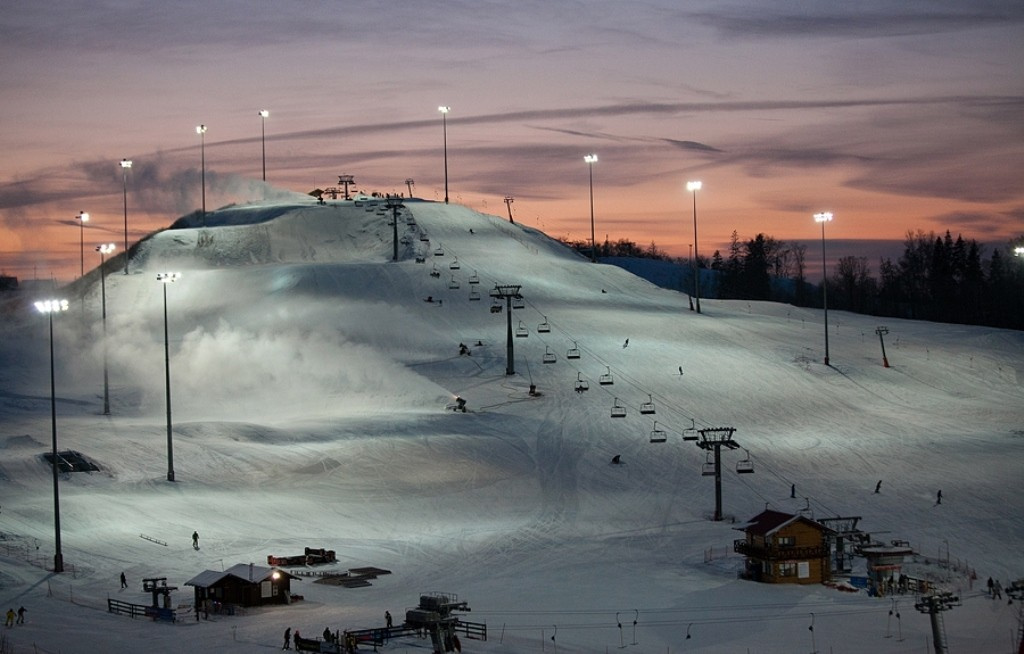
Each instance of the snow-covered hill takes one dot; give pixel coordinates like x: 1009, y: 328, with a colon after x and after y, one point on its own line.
x: 310, y: 380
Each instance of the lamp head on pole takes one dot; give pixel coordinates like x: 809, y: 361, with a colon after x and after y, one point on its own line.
x: 264, y: 113
x: 126, y: 163
x: 52, y: 306
x: 444, y: 109
x: 823, y: 217
x: 590, y: 158
x: 168, y: 277
x: 200, y: 129
x: 106, y: 248
x: 694, y: 186
x: 83, y: 216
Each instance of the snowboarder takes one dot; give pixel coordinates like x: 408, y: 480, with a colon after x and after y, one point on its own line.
x: 938, y: 498
x: 997, y: 590
x: 10, y: 618
x: 124, y: 581
x: 626, y: 344
x: 878, y: 486
x: 387, y: 618
x: 680, y: 370
x: 792, y: 490
x: 463, y: 350
x: 195, y: 540
x: 287, y: 639
x: 617, y: 459
x: 21, y: 615
x: 989, y: 584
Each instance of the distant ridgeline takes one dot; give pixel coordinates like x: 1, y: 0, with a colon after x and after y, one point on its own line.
x: 936, y: 278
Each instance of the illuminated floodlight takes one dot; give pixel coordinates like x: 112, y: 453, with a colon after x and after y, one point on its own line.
x: 51, y: 306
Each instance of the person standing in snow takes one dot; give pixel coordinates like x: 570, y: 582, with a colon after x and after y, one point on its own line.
x: 124, y: 581
x: 287, y: 639
x: 21, y: 615
x: 938, y: 498
x: 10, y: 618
x: 387, y: 618
x: 989, y: 584
x: 195, y: 540
x: 878, y: 486
x: 997, y: 590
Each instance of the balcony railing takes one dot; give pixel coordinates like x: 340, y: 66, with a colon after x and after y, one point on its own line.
x: 770, y: 553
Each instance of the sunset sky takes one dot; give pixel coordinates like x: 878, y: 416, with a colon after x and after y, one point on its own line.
x: 894, y: 116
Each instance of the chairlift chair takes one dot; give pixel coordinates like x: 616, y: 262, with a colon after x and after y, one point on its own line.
x: 424, y: 237
x: 434, y: 272
x: 518, y: 302
x: 606, y: 379
x: 690, y: 433
x: 522, y: 331
x: 582, y: 385
x: 474, y: 295
x: 658, y: 435
x: 544, y: 327
x: 474, y: 278
x: 708, y: 469
x: 573, y: 352
x: 454, y: 265
x: 421, y: 259
x: 618, y: 411
x: 549, y: 356
x: 454, y: 283
x: 745, y: 466
x: 496, y: 306
x: 439, y: 251
x: 647, y: 408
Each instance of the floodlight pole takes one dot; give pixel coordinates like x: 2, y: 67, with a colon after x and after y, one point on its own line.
x: 444, y: 126
x: 168, y: 278
x: 263, y: 139
x: 508, y: 292
x: 125, y: 165
x: 823, y: 218
x: 693, y: 187
x: 201, y: 131
x: 882, y: 331
x: 508, y: 203
x: 83, y: 218
x: 392, y: 202
x: 49, y: 307
x: 104, y: 250
x: 591, y: 159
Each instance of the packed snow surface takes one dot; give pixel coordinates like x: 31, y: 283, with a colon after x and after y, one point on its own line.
x: 311, y: 386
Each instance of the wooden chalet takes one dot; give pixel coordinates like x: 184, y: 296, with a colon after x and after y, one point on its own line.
x: 782, y: 548
x: 241, y: 585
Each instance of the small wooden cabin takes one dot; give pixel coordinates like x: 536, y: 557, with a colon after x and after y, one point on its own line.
x: 244, y: 584
x: 782, y: 548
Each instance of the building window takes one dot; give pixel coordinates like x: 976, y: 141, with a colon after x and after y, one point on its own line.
x: 786, y: 541
x: 787, y: 569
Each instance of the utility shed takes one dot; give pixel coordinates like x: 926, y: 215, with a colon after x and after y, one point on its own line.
x: 782, y: 548
x: 243, y: 584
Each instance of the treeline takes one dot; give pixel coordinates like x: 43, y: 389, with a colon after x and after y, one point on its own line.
x: 936, y: 278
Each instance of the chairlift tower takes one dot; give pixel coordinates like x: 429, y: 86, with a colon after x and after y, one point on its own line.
x: 346, y: 181
x: 394, y: 203
x: 713, y: 439
x: 845, y: 529
x: 1016, y: 592
x: 410, y: 183
x: 934, y: 605
x: 508, y: 292
x: 508, y: 203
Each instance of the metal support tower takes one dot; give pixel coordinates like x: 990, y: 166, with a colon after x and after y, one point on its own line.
x: 934, y: 606
x: 508, y: 292
x: 714, y: 439
x: 508, y: 203
x: 346, y: 180
x: 394, y: 203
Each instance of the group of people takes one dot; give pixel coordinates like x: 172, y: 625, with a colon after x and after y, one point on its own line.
x: 346, y: 639
x: 11, y: 617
